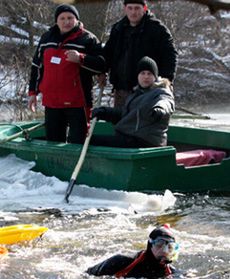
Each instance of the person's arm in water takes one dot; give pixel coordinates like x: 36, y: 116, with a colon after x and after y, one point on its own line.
x: 110, y: 266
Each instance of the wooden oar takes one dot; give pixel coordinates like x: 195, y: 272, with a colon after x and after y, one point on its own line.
x: 23, y: 131
x: 83, y: 152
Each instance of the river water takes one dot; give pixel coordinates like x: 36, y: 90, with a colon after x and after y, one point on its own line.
x: 97, y: 223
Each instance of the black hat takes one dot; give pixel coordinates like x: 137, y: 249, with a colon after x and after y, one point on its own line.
x: 66, y: 8
x: 147, y: 64
x: 143, y: 2
x: 162, y: 231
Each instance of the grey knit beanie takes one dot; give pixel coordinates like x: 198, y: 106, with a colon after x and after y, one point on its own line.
x: 147, y: 64
x: 142, y: 2
x: 66, y: 8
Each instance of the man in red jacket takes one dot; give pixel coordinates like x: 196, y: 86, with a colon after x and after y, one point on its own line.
x: 65, y: 60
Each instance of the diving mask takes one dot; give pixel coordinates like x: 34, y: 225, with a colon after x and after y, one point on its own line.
x: 164, y: 248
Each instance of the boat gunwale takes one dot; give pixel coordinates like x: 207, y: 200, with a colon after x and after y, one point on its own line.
x: 111, y: 152
x: 132, y: 173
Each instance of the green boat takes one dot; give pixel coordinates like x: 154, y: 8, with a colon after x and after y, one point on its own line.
x: 178, y: 166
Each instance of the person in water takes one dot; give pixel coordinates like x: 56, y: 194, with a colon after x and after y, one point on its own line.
x: 154, y: 262
x: 143, y: 120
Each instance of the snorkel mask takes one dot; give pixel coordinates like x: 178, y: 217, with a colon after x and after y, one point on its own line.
x: 163, y: 245
x: 165, y: 250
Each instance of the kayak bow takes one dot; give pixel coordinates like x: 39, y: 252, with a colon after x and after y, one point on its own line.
x: 20, y: 233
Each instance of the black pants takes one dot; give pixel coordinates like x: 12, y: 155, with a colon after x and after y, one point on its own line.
x: 65, y: 124
x: 118, y: 140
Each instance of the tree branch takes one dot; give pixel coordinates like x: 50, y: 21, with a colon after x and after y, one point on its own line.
x: 214, y: 5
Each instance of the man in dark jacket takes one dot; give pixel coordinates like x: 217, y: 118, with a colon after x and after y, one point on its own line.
x: 154, y: 262
x: 136, y: 35
x: 143, y: 120
x: 65, y: 60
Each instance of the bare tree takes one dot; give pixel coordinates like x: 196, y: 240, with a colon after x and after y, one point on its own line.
x: 20, y: 31
x: 203, y: 43
x: 214, y: 5
x: 201, y: 39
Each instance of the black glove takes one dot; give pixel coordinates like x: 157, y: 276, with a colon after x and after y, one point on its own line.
x: 99, y: 112
x: 157, y: 114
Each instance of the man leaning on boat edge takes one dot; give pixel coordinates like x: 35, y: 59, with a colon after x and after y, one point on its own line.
x: 143, y: 120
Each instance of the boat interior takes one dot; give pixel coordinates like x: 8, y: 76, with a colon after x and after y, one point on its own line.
x: 194, y: 146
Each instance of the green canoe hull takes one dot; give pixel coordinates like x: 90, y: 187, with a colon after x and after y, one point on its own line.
x: 127, y: 169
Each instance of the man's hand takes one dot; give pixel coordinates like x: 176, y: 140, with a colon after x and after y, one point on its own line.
x: 102, y: 79
x: 98, y: 112
x: 157, y: 114
x: 72, y: 56
x: 32, y: 103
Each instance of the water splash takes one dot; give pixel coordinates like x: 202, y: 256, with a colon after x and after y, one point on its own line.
x: 23, y: 189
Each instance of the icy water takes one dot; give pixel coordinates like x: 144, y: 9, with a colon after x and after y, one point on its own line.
x: 99, y: 223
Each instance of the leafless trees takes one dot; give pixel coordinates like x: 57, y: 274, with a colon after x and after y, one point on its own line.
x: 22, y: 22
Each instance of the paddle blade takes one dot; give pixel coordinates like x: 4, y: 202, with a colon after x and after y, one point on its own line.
x: 69, y: 190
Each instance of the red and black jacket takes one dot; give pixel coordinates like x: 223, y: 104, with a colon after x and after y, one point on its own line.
x: 65, y: 84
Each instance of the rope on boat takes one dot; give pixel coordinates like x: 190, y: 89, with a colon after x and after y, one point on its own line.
x: 24, y: 132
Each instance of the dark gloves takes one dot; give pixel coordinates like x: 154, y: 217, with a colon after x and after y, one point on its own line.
x: 157, y: 114
x: 99, y: 112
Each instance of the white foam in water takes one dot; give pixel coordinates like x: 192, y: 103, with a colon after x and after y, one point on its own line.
x: 21, y: 188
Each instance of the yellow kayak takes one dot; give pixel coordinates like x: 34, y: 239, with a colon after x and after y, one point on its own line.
x: 20, y: 233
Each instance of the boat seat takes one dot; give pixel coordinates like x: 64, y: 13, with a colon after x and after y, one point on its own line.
x: 199, y: 157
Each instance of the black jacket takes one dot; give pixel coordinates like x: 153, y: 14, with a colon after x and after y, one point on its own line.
x: 127, y: 45
x: 148, y: 268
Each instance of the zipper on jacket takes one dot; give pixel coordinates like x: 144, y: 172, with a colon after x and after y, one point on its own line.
x: 138, y: 120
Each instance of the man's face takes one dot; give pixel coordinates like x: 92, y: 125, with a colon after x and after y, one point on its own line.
x: 134, y: 12
x: 146, y: 79
x: 164, y: 249
x: 66, y: 21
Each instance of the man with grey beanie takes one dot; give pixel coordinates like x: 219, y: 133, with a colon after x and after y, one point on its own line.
x: 143, y: 120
